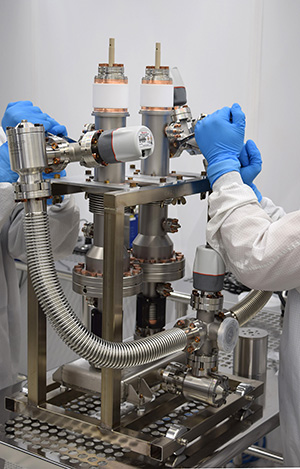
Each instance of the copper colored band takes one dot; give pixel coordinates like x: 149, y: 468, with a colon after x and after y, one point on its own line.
x: 156, y: 82
x: 147, y: 108
x: 113, y: 65
x: 103, y: 109
x: 152, y: 67
x: 111, y: 80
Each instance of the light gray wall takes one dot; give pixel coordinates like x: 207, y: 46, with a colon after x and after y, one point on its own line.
x: 227, y: 51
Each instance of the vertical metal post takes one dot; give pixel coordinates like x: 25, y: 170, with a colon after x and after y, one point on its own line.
x: 36, y: 349
x: 112, y: 310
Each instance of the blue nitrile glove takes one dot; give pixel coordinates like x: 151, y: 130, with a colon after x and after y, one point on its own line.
x: 6, y: 173
x: 220, y: 137
x: 251, y: 162
x: 15, y: 112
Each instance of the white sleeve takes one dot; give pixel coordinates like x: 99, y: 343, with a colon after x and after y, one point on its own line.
x: 7, y: 202
x: 2, y: 136
x: 262, y: 253
x: 64, y: 228
x: 271, y: 209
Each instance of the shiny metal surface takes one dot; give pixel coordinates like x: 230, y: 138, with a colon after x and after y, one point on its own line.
x: 205, y: 389
x: 249, y: 306
x: 223, y: 456
x: 250, y: 355
x: 92, y: 286
x: 26, y: 144
x: 36, y: 349
x: 77, y: 416
x: 65, y: 321
x: 80, y: 375
x: 163, y: 271
x: 180, y: 297
x: 262, y: 453
x: 158, y: 163
x: 152, y: 242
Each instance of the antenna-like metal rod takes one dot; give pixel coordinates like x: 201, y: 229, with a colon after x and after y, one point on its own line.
x: 157, y: 55
x: 111, y: 52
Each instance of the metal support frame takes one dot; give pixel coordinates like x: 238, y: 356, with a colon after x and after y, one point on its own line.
x: 37, y: 336
x: 112, y: 311
x: 110, y: 429
x: 114, y: 204
x: 116, y: 198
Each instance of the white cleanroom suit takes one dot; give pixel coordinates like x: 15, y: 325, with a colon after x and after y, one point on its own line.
x: 260, y: 244
x: 64, y: 226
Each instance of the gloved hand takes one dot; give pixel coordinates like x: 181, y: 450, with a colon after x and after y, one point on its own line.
x: 250, y: 159
x: 6, y: 174
x: 14, y: 113
x: 220, y: 137
x: 17, y: 111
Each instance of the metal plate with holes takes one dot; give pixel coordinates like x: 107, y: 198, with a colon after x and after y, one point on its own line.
x: 65, y: 447
x: 79, y: 451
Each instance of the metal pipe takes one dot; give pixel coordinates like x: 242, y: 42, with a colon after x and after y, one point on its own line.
x: 249, y: 306
x: 157, y: 55
x: 159, y: 163
x: 111, y: 53
x: 180, y: 297
x: 264, y: 454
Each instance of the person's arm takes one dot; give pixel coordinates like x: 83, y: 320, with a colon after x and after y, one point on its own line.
x: 64, y: 228
x: 274, y: 212
x: 63, y: 218
x: 7, y: 202
x: 262, y: 253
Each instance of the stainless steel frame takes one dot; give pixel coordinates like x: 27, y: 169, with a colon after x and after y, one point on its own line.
x: 44, y: 403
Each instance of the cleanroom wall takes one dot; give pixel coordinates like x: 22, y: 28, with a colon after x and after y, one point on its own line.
x: 227, y: 51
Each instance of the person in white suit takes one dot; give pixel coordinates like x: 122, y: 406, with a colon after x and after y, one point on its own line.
x: 64, y: 227
x: 259, y: 243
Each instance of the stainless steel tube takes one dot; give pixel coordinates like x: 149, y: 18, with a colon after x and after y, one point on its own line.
x: 264, y: 454
x: 55, y: 305
x: 180, y: 297
x: 250, y: 305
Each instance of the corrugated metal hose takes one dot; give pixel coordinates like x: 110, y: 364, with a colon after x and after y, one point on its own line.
x: 63, y: 319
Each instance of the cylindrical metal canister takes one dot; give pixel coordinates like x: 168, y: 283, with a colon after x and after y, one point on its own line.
x: 250, y: 355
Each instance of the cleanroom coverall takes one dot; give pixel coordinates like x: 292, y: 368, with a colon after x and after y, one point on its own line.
x: 64, y: 226
x: 260, y: 244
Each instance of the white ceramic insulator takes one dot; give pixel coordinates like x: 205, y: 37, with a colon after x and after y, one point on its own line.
x: 156, y: 95
x: 111, y: 95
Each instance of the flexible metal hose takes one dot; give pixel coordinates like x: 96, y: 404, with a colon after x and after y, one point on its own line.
x: 55, y: 305
x: 249, y: 306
